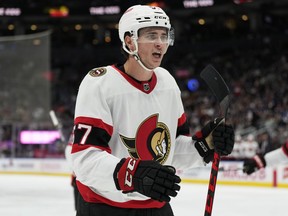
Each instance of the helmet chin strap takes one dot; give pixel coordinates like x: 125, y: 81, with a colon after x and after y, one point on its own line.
x: 136, y: 56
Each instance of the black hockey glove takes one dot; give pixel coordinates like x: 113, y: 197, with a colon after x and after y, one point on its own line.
x: 149, y: 178
x: 251, y: 165
x: 214, y: 136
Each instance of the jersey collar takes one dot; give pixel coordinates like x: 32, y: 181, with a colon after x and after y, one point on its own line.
x: 144, y: 86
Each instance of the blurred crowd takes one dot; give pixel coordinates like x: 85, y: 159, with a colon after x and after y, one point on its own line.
x: 257, y: 75
x: 255, y: 68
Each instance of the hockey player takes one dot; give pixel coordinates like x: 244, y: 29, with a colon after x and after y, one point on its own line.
x: 130, y: 130
x: 68, y: 149
x: 275, y: 157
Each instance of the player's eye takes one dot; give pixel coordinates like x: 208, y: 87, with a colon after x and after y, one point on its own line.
x: 154, y: 37
x: 164, y: 38
x: 151, y: 37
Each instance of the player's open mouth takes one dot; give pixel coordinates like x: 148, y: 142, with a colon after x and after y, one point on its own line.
x: 157, y: 54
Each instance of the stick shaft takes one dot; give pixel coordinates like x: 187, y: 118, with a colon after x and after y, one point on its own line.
x: 221, y: 91
x: 57, y: 124
x: 213, y: 181
x: 54, y: 118
x: 212, y: 184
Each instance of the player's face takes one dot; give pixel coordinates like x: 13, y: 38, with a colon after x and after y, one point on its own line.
x: 152, y: 45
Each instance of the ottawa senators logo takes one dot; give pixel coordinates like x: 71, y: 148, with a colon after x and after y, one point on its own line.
x: 96, y: 72
x: 152, y: 141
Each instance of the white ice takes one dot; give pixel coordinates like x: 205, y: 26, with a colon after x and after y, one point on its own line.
x: 29, y: 195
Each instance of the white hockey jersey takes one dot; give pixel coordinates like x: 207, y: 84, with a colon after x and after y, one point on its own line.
x: 118, y: 117
x: 277, y: 156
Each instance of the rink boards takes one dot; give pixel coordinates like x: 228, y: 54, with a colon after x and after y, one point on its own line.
x: 232, y: 175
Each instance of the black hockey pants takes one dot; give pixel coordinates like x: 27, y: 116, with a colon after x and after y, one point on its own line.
x: 97, y: 209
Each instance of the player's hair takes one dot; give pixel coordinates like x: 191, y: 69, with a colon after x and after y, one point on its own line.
x: 126, y: 55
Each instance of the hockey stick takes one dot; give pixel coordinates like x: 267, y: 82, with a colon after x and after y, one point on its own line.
x: 57, y: 124
x: 221, y: 91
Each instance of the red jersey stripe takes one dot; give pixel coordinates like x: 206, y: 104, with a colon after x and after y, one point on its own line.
x: 95, y: 123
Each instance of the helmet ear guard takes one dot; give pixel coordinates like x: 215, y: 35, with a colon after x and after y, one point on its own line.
x: 171, y: 35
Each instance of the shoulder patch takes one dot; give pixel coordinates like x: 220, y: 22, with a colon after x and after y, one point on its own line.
x: 96, y: 72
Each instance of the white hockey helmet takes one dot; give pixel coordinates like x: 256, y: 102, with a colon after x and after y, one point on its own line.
x: 142, y: 16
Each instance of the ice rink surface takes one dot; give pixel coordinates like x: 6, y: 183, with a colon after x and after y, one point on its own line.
x: 31, y: 195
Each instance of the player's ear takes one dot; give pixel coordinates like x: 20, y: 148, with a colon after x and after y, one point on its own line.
x: 129, y: 42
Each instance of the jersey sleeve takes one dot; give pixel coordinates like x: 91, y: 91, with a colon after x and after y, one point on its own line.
x: 277, y: 156
x: 285, y: 149
x: 92, y: 161
x: 182, y: 127
x: 185, y: 155
x: 67, y: 151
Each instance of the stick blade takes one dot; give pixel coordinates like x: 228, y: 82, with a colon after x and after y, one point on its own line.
x: 215, y: 82
x: 218, y: 86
